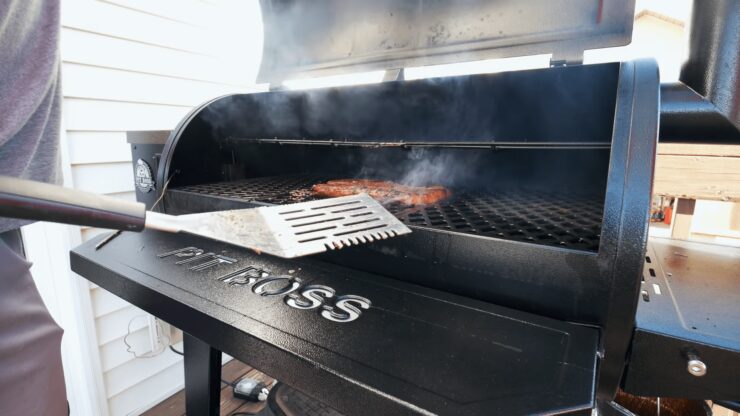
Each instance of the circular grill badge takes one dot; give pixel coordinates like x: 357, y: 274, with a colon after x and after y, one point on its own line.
x: 143, y: 176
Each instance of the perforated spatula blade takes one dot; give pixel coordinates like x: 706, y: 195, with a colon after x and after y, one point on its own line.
x: 285, y: 231
x: 292, y: 230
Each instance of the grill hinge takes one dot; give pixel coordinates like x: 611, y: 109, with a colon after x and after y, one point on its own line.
x: 395, y: 74
x: 566, y: 58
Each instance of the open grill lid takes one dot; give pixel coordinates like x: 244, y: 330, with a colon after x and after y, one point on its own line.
x: 310, y: 39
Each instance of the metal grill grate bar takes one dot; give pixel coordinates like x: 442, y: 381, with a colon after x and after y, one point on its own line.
x: 572, y: 221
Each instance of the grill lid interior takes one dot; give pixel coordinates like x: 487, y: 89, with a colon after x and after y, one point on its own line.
x: 309, y: 39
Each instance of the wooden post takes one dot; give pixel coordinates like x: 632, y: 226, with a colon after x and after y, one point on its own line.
x: 682, y: 219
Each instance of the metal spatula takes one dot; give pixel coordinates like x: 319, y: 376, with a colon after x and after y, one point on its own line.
x: 285, y: 230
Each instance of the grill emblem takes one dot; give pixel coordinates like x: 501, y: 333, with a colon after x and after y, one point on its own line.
x: 295, y: 294
x: 143, y: 176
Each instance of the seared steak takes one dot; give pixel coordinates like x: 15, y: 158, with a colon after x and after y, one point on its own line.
x: 382, y: 191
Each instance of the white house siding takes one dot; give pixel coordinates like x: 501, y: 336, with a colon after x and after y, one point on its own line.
x: 139, y: 65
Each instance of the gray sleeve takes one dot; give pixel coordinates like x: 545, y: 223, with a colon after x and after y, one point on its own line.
x: 30, y: 92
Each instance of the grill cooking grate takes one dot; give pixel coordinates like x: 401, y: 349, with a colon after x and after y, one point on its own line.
x: 543, y: 218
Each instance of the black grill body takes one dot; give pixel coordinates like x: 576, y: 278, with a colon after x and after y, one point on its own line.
x: 416, y: 351
x: 550, y: 171
x: 516, y: 295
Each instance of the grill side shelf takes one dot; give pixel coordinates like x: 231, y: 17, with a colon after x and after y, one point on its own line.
x: 391, y: 347
x: 688, y: 310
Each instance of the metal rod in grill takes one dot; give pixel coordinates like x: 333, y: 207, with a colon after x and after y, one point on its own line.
x: 479, y: 144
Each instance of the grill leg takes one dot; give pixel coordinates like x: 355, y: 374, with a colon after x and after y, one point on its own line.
x: 202, y: 377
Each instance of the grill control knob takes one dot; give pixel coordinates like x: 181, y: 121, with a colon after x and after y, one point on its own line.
x: 695, y: 366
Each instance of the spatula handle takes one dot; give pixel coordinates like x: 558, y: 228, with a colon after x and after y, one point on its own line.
x: 31, y: 200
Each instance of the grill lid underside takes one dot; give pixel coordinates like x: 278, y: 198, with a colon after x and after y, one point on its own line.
x: 308, y: 39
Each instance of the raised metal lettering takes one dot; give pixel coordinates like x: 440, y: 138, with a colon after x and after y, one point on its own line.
x: 183, y: 252
x: 311, y: 297
x: 346, y: 308
x: 197, y: 257
x: 261, y: 287
x: 243, y: 277
x: 217, y: 260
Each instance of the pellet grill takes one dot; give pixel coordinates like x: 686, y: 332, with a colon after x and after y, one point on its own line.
x: 516, y: 295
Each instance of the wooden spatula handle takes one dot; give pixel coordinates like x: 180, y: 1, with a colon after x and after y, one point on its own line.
x: 31, y: 200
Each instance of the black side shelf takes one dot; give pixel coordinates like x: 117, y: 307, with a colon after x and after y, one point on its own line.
x: 414, y: 351
x: 690, y: 305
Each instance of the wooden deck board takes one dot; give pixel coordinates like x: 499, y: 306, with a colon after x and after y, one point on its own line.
x: 232, y: 371
x: 693, y: 171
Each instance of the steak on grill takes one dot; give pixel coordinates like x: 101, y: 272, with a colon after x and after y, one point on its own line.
x: 383, y: 191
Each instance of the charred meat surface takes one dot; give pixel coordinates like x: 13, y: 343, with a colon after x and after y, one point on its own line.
x: 382, y: 191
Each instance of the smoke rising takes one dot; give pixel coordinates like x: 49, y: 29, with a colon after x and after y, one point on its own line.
x: 420, y: 166
x: 424, y: 169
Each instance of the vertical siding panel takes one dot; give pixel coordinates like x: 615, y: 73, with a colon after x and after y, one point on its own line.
x: 97, y: 147
x: 142, y: 65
